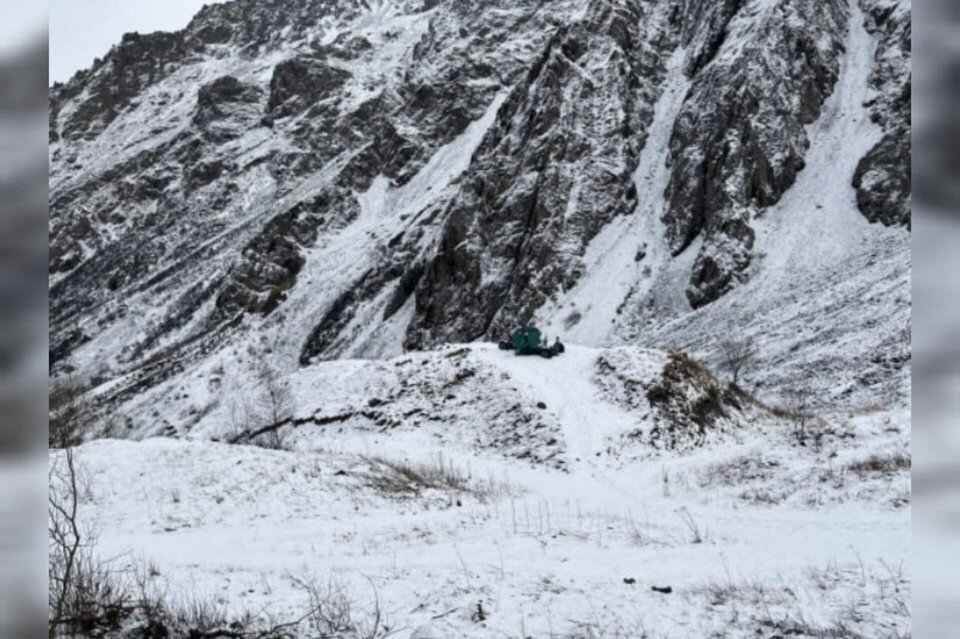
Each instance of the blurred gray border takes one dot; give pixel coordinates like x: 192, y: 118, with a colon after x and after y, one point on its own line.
x: 936, y: 318
x: 23, y: 332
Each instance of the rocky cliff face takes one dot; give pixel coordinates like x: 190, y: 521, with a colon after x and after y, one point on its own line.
x: 739, y: 139
x: 319, y: 178
x: 882, y: 178
x: 556, y: 166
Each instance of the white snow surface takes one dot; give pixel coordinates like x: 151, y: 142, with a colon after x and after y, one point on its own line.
x: 753, y: 533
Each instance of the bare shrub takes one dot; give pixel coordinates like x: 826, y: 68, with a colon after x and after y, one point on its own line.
x: 643, y: 533
x: 736, y: 355
x: 64, y: 535
x: 90, y: 597
x: 276, y: 397
x: 697, y: 534
x: 83, y: 593
x: 273, y: 403
x: 238, y: 414
x: 742, y: 469
x: 760, y: 495
x: 105, y: 600
x: 800, y: 399
x: 256, y: 412
x: 332, y: 613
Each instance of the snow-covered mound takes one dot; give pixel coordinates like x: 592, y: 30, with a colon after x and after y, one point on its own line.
x: 583, y: 404
x: 682, y: 404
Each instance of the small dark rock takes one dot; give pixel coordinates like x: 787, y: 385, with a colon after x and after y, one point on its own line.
x: 629, y: 581
x: 664, y: 589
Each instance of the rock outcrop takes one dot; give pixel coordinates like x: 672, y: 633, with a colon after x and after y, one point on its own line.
x: 557, y: 165
x: 882, y: 178
x: 739, y: 140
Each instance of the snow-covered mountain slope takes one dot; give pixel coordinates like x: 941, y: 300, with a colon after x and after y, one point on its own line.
x: 307, y: 180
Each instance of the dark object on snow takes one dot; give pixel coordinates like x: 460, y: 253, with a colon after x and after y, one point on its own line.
x: 478, y: 614
x: 629, y: 581
x: 529, y: 341
x: 665, y: 589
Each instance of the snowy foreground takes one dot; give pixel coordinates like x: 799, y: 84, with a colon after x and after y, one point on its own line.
x: 400, y: 483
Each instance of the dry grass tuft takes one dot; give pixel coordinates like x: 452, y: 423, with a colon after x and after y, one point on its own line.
x: 411, y: 479
x: 882, y: 464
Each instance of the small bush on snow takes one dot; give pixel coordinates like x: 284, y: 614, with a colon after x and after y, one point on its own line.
x: 881, y: 464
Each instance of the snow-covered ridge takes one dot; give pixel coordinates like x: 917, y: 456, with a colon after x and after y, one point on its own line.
x: 587, y: 406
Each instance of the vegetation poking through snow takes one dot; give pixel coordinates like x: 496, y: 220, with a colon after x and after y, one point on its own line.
x: 736, y: 355
x: 405, y: 478
x: 883, y: 464
x: 785, y: 607
x: 90, y: 596
x: 333, y: 613
x: 683, y: 403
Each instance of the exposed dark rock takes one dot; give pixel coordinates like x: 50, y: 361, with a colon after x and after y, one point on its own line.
x: 537, y: 190
x: 299, y: 83
x: 739, y: 140
x: 405, y: 288
x: 225, y: 107
x: 271, y: 261
x: 705, y: 29
x: 136, y: 63
x: 882, y: 180
x: 213, y: 99
x: 883, y: 177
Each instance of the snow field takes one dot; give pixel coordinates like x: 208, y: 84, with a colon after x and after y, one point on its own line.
x: 544, y: 551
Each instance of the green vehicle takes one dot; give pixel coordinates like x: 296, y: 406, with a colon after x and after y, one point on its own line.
x: 529, y: 341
